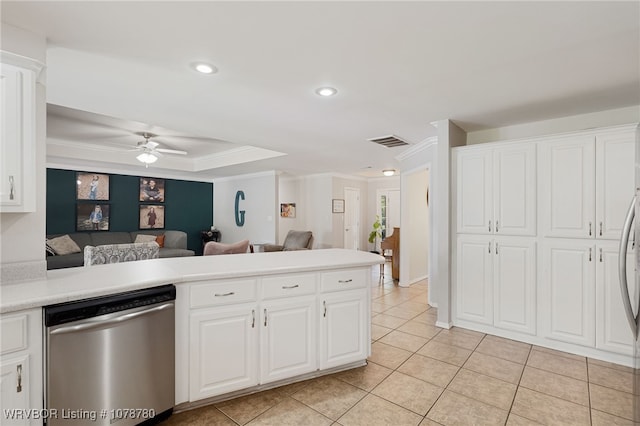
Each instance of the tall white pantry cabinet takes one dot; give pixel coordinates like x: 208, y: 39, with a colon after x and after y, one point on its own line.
x: 537, y: 231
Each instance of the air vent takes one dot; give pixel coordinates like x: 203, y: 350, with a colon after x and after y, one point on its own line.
x: 390, y: 141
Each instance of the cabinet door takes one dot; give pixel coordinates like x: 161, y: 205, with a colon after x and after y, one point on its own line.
x: 344, y: 335
x: 612, y: 329
x: 474, y: 191
x: 287, y: 338
x: 223, y: 350
x: 514, y: 278
x: 17, y: 144
x: 14, y: 392
x: 567, y: 175
x: 474, y: 285
x: 515, y: 190
x: 615, y: 182
x: 567, y: 300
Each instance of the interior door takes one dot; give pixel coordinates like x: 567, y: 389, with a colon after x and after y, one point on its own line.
x: 352, y: 218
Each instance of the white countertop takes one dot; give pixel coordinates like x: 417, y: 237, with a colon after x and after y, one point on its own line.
x: 64, y: 285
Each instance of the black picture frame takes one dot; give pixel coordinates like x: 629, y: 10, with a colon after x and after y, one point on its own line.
x: 87, y: 221
x: 151, y: 216
x: 337, y: 206
x: 92, y: 186
x: 152, y: 190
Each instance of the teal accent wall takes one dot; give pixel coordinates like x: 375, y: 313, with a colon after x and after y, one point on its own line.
x: 188, y: 205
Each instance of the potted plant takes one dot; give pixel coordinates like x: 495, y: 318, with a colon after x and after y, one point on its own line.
x: 375, y: 233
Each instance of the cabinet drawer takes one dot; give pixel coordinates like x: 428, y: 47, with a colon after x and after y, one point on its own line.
x: 222, y: 293
x: 288, y: 285
x: 345, y: 279
x: 14, y: 333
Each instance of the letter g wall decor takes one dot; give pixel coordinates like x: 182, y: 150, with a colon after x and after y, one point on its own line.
x: 239, y: 213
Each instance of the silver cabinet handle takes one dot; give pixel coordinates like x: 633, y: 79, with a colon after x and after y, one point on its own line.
x: 496, y: 226
x: 489, y: 226
x: 265, y: 317
x: 286, y: 287
x: 253, y: 318
x: 489, y: 246
x: 590, y: 253
x: 589, y: 228
x: 600, y: 255
x: 496, y: 247
x: 19, y: 374
x: 345, y: 281
x: 231, y: 293
x: 622, y: 269
x: 324, y: 304
x: 11, y: 188
x: 601, y: 228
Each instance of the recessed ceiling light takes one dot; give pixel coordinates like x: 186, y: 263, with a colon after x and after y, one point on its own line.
x: 389, y: 172
x: 326, y: 91
x: 205, y: 68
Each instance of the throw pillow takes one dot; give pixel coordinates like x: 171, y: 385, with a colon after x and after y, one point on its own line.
x: 49, y: 249
x: 63, y: 245
x: 142, y: 238
x: 160, y: 240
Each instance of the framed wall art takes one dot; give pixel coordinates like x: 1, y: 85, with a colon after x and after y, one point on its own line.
x: 92, y: 217
x: 152, y: 216
x: 92, y: 186
x: 337, y: 206
x: 152, y: 189
x: 288, y: 210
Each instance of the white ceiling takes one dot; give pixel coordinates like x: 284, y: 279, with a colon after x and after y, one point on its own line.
x: 398, y: 66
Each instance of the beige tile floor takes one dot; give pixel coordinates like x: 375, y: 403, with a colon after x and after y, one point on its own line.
x: 419, y: 374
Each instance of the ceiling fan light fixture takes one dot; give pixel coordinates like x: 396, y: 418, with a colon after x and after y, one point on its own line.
x: 389, y: 172
x: 147, y: 158
x: 205, y: 68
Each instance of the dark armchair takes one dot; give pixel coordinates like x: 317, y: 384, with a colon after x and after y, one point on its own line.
x: 295, y: 240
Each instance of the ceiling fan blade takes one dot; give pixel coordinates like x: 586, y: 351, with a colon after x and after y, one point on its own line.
x: 151, y: 144
x: 171, y: 151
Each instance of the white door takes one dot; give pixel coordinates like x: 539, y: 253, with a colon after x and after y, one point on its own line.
x: 612, y: 330
x: 515, y: 190
x: 344, y: 336
x: 474, y: 187
x: 615, y: 181
x: 287, y: 338
x: 514, y: 277
x: 352, y: 218
x: 474, y: 279
x: 567, y: 294
x: 224, y: 350
x: 14, y: 389
x: 567, y: 174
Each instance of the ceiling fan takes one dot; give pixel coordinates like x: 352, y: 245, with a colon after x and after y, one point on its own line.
x: 150, y: 151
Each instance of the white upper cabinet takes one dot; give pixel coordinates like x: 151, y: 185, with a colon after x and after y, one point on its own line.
x: 17, y: 133
x: 614, y: 182
x: 496, y: 190
x: 587, y: 184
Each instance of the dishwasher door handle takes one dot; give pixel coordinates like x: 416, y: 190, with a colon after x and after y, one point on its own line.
x: 115, y: 320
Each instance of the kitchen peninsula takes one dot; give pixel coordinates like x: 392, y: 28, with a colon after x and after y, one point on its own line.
x: 243, y: 322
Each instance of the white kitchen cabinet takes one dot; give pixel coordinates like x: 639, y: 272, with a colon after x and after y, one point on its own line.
x: 287, y: 338
x: 496, y: 282
x: 587, y: 184
x: 223, y: 350
x: 18, y: 135
x: 344, y: 336
x: 612, y: 329
x: 567, y: 291
x: 21, y: 378
x: 496, y: 189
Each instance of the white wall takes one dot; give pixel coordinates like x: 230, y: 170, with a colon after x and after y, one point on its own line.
x: 317, y: 194
x: 339, y: 184
x: 260, y: 206
x: 290, y: 191
x: 22, y: 234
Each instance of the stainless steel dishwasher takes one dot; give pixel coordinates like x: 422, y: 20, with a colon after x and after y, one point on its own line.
x: 111, y: 360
